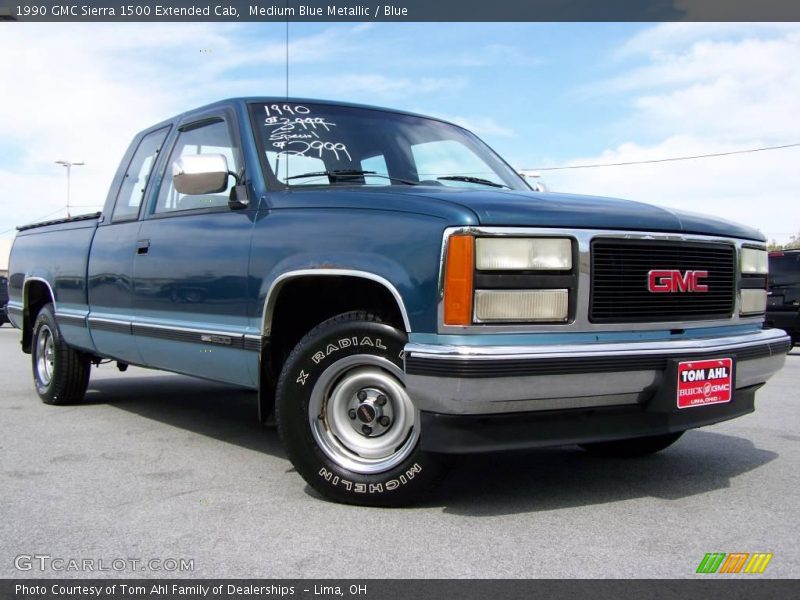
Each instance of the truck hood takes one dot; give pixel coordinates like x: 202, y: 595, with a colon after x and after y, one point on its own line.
x: 537, y: 209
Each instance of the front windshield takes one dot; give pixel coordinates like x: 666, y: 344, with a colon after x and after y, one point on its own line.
x: 325, y: 145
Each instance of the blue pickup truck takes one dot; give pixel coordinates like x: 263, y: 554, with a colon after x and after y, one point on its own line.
x: 396, y: 293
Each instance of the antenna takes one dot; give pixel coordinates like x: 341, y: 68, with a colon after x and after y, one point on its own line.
x: 287, y: 50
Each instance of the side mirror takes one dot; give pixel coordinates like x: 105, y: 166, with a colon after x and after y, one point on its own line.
x: 200, y: 174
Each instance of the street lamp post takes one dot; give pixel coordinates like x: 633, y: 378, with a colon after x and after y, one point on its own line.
x: 69, y: 164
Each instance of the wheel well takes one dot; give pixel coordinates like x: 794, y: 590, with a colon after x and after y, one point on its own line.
x: 305, y: 302
x: 37, y: 294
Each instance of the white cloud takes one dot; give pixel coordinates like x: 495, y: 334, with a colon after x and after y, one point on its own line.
x: 757, y: 189
x: 487, y: 55
x: 729, y: 89
x: 671, y: 36
x: 480, y: 125
x: 81, y: 93
x: 226, y: 52
x: 357, y: 86
x: 697, y: 94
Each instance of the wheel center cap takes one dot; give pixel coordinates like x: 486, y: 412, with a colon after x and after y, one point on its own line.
x: 366, y: 413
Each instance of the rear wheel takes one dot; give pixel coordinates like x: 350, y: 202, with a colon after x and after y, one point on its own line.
x: 345, y: 418
x: 633, y: 447
x: 60, y: 373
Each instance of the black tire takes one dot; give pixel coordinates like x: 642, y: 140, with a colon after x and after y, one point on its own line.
x: 60, y: 373
x: 354, y: 351
x: 630, y: 448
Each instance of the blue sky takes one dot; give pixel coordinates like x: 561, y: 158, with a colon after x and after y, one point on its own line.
x: 517, y: 77
x: 540, y: 94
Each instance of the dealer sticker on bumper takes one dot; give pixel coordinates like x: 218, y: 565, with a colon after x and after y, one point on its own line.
x: 704, y: 382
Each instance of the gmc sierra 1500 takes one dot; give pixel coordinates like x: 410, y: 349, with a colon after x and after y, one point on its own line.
x: 398, y: 292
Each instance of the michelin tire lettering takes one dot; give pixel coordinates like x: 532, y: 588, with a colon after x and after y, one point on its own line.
x: 372, y: 488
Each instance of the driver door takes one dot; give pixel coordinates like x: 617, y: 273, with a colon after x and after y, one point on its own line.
x: 191, y: 290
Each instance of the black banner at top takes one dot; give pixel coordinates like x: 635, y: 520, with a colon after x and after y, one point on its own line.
x: 399, y: 10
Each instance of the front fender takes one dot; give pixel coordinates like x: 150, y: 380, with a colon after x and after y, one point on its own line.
x: 402, y: 252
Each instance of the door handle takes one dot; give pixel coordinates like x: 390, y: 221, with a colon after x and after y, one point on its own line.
x: 142, y: 246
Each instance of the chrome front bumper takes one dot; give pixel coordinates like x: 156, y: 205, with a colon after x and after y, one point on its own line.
x: 475, y: 380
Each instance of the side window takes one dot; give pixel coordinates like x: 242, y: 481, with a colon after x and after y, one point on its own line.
x: 214, y: 138
x: 448, y: 157
x: 133, y: 185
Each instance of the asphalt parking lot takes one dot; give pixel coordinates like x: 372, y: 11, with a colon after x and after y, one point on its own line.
x: 160, y: 466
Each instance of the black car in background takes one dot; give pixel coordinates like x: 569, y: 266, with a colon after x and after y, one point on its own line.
x: 783, y: 302
x: 3, y: 299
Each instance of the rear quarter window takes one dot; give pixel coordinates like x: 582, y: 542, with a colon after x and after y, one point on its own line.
x: 131, y: 192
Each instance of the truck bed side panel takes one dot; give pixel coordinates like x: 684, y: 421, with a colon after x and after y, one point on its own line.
x: 56, y: 255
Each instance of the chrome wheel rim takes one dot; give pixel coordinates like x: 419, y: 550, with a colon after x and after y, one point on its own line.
x: 45, y: 356
x: 361, y: 416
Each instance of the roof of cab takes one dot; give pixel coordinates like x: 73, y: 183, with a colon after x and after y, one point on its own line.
x: 242, y: 101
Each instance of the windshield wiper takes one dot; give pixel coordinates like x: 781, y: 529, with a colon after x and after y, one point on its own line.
x: 350, y: 173
x: 478, y: 180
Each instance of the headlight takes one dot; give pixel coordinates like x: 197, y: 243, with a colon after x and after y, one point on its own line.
x: 535, y: 293
x: 754, y: 262
x: 521, y: 305
x: 523, y: 254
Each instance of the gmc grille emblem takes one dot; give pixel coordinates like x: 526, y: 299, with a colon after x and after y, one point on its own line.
x: 670, y: 282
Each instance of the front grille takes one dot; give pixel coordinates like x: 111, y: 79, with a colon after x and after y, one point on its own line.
x: 620, y: 271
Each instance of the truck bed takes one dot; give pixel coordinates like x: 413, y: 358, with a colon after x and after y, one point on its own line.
x: 55, y: 253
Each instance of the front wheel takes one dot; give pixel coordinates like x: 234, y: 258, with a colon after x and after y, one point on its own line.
x: 641, y: 446
x: 60, y: 373
x: 345, y: 418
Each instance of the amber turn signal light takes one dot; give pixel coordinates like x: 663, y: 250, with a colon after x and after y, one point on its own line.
x: 458, y: 280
